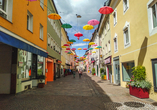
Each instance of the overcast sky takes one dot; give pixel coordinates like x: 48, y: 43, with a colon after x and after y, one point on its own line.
x: 88, y: 9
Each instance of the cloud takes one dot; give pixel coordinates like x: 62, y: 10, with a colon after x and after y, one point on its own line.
x: 79, y: 44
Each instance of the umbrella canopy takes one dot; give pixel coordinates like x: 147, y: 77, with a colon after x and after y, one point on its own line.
x: 84, y: 48
x: 65, y: 45
x: 106, y: 10
x: 69, y: 52
x: 86, y: 40
x: 90, y: 54
x: 67, y: 48
x: 98, y: 47
x: 73, y: 49
x: 91, y: 43
x: 78, y: 34
x: 90, y: 49
x: 69, y: 42
x: 54, y: 16
x: 88, y: 27
x: 66, y: 51
x: 94, y: 52
x: 66, y: 25
x: 95, y: 45
x: 93, y: 22
x: 77, y: 56
x: 72, y: 40
x: 79, y: 49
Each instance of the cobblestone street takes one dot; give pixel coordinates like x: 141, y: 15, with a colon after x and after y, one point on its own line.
x: 68, y: 93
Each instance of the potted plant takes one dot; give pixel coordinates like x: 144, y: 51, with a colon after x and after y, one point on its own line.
x: 93, y: 71
x: 138, y: 86
x: 41, y: 83
x: 103, y: 72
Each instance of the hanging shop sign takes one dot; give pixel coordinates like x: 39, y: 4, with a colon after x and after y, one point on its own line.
x: 58, y: 61
x: 108, y: 60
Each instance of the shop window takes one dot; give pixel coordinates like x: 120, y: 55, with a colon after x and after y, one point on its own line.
x: 127, y: 70
x: 24, y: 64
x: 40, y: 65
x: 154, y: 64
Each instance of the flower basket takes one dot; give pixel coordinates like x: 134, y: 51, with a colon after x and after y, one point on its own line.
x: 139, y: 92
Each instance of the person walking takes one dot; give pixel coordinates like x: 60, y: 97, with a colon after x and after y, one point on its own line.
x: 80, y: 73
x: 73, y: 72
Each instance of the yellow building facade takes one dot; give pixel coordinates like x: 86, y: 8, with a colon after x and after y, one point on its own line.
x: 133, y: 40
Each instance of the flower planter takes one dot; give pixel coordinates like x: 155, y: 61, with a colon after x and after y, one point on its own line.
x: 105, y: 77
x: 139, y: 92
x: 41, y: 85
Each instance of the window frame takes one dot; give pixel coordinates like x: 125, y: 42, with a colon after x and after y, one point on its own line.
x: 30, y: 27
x: 153, y: 72
x: 126, y: 27
x: 41, y: 32
x: 125, y: 8
x: 42, y: 4
x: 115, y: 38
x: 115, y: 17
x: 109, y: 46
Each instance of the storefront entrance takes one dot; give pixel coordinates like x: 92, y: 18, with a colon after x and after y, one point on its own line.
x: 116, y: 70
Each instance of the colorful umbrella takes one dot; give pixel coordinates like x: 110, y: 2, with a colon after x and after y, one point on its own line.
x: 72, y: 40
x: 67, y: 48
x: 65, y: 45
x: 69, y: 52
x: 95, y: 45
x: 88, y: 27
x: 66, y: 51
x: 78, y: 34
x: 54, y: 16
x: 94, y: 52
x: 91, y: 43
x: 69, y: 42
x: 66, y: 26
x: 86, y: 40
x: 98, y: 47
x: 93, y: 22
x: 106, y: 10
x: 73, y: 49
x: 90, y: 49
x: 79, y: 49
x: 84, y: 48
x: 90, y: 54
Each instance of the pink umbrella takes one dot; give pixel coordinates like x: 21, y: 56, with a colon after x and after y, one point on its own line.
x: 67, y: 48
x: 73, y: 48
x: 93, y: 22
x: 66, y: 45
x: 95, y: 45
x: 90, y: 54
x: 66, y: 51
x: 84, y: 48
x: 106, y: 10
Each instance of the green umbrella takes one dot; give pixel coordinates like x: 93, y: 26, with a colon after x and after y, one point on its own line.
x: 90, y: 48
x: 66, y: 26
x: 69, y: 52
x: 72, y: 40
x: 98, y: 47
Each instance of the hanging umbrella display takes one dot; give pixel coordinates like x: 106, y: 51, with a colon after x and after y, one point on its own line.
x: 86, y: 40
x: 67, y: 48
x: 66, y: 51
x: 91, y: 43
x: 90, y: 54
x: 84, y: 48
x: 69, y: 52
x: 65, y: 45
x: 90, y: 49
x: 72, y: 40
x: 78, y: 34
x: 54, y: 16
x: 98, y: 47
x: 93, y: 22
x: 73, y: 49
x: 88, y: 27
x: 105, y: 10
x: 94, y: 52
x: 95, y: 45
x: 69, y: 42
x: 66, y: 26
x: 79, y: 49
x: 75, y: 55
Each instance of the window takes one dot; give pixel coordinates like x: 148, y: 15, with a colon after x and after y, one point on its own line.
x: 154, y: 64
x: 106, y: 48
x: 29, y: 21
x: 115, y: 17
x: 109, y: 48
x: 49, y: 40
x: 108, y: 25
x: 115, y: 44
x: 127, y: 70
x: 126, y: 32
x: 40, y: 65
x: 154, y: 15
x: 41, y: 32
x: 105, y: 30
x: 42, y: 3
x: 125, y: 5
x: 51, y: 43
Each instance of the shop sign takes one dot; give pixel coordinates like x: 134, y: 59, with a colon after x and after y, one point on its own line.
x: 20, y: 64
x: 108, y: 60
x: 59, y: 61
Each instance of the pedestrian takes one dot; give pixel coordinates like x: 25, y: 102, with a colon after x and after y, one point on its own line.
x: 73, y: 72
x: 80, y: 73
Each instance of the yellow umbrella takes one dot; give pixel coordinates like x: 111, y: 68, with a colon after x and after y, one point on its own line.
x: 63, y: 46
x: 79, y: 49
x: 94, y: 52
x: 69, y: 42
x: 96, y: 48
x: 91, y: 43
x: 77, y: 56
x: 88, y: 27
x: 84, y: 58
x: 54, y: 16
x: 86, y: 40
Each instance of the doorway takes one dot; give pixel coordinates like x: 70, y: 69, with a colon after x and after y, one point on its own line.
x: 116, y: 71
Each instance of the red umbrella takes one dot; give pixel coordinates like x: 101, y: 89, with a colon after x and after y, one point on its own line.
x: 93, y: 22
x: 78, y: 38
x: 73, y: 49
x: 78, y: 34
x: 106, y: 10
x: 66, y: 45
x: 84, y: 48
x: 67, y: 48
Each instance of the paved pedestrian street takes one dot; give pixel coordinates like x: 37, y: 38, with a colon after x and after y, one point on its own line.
x: 68, y: 93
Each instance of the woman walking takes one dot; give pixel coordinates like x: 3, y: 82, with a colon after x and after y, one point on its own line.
x: 80, y: 73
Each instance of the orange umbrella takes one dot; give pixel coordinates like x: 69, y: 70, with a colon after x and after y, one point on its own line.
x: 54, y: 16
x: 69, y: 42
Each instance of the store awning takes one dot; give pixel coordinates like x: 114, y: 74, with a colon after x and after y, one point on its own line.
x: 9, y: 40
